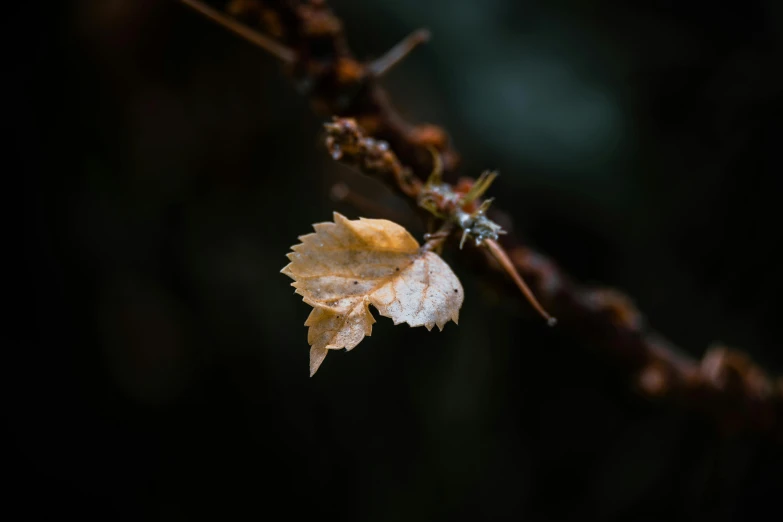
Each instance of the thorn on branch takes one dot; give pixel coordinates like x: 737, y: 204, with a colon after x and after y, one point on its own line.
x: 501, y: 257
x: 396, y: 54
x: 480, y: 186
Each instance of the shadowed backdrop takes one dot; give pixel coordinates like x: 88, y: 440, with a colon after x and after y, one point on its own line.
x: 174, y: 165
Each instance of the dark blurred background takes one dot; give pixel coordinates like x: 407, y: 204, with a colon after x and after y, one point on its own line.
x: 169, y: 167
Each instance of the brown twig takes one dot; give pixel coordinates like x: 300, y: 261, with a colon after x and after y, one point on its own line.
x: 396, y: 54
x: 501, y: 257
x: 326, y: 71
x: 273, y: 47
x: 726, y: 384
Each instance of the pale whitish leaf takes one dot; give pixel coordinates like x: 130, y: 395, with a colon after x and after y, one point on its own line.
x: 347, y: 265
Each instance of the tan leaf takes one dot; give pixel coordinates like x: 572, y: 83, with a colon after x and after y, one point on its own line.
x: 347, y: 265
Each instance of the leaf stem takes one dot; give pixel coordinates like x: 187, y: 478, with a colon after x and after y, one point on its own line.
x: 436, y: 239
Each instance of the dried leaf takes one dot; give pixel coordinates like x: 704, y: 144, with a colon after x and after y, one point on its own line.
x: 347, y: 265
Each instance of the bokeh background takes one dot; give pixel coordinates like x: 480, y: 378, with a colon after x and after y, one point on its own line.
x: 173, y: 165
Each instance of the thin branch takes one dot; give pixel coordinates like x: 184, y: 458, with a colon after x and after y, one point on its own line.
x: 725, y: 385
x: 273, y: 47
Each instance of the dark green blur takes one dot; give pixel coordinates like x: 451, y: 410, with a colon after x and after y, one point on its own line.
x: 178, y: 165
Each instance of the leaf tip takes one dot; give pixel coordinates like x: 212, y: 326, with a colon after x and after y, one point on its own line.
x: 317, y: 356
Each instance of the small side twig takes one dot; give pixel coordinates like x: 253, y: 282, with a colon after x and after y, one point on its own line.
x: 273, y: 47
x: 396, y: 54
